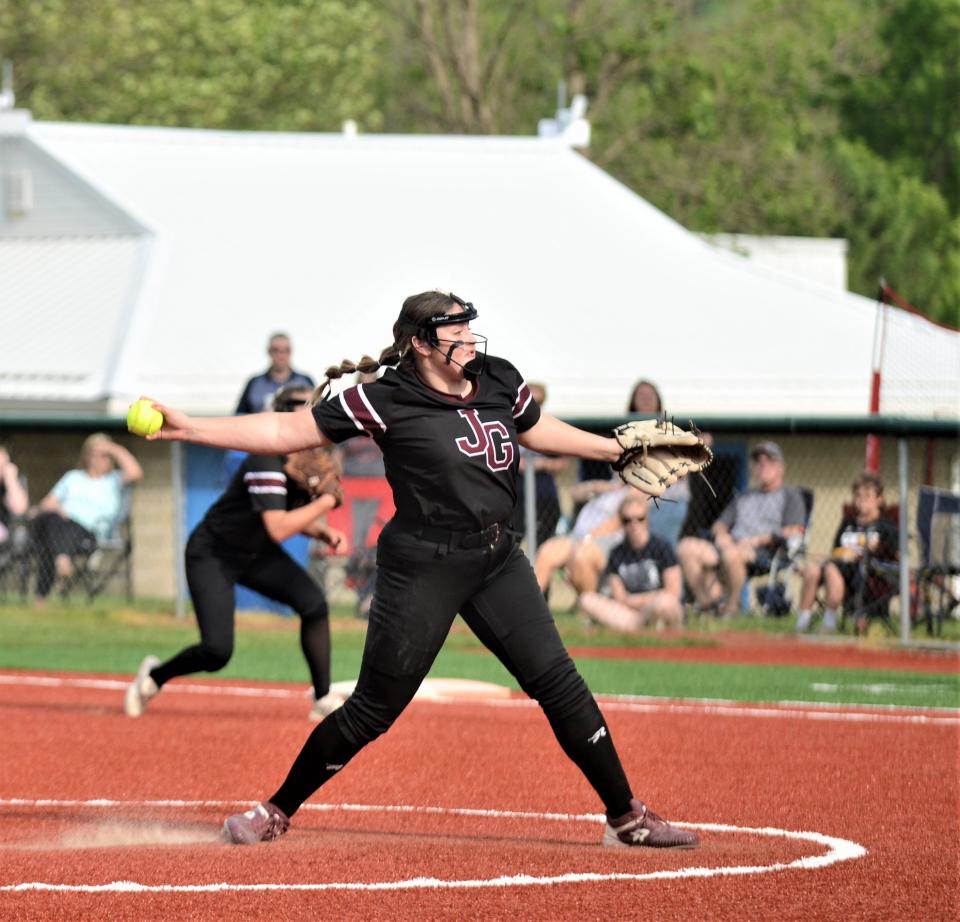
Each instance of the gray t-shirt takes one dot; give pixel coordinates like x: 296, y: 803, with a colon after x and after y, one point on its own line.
x: 756, y: 513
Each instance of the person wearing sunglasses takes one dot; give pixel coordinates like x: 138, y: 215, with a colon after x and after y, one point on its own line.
x: 449, y: 420
x: 642, y: 581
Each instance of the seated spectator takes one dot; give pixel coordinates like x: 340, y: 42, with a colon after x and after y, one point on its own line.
x: 547, y: 502
x: 642, y: 579
x: 748, y: 531
x: 13, y: 494
x: 864, y: 532
x: 595, y: 533
x: 258, y: 392
x: 82, y: 508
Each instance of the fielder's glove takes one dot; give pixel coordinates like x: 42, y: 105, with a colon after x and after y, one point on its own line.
x: 656, y: 454
x: 315, y: 472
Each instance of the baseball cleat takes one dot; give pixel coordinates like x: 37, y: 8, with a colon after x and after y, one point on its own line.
x: 263, y: 823
x: 643, y: 827
x: 325, y: 706
x: 141, y: 689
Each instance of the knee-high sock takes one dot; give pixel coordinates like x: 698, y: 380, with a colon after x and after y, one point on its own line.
x: 315, y: 643
x: 325, y: 752
x: 585, y: 738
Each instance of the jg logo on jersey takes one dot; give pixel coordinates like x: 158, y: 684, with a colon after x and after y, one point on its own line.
x: 490, y: 439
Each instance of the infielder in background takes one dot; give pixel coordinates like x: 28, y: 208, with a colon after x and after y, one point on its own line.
x: 238, y: 541
x: 449, y: 420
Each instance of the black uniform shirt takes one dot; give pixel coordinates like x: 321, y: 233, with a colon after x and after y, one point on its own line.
x: 451, y: 462
x: 258, y: 486
x: 642, y: 570
x: 853, y: 539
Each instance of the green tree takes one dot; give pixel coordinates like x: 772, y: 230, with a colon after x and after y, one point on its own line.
x: 909, y: 110
x: 463, y: 67
x: 732, y: 130
x: 900, y: 229
x: 273, y: 64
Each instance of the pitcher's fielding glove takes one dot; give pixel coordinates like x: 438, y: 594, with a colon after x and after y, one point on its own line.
x: 315, y: 472
x: 656, y: 454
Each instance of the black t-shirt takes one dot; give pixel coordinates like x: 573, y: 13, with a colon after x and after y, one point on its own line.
x: 642, y: 570
x: 258, y: 485
x: 451, y: 462
x: 852, y: 539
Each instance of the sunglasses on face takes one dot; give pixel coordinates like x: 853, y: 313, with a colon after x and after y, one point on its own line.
x: 629, y: 519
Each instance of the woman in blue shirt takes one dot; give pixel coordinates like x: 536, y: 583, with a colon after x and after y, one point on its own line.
x: 82, y: 508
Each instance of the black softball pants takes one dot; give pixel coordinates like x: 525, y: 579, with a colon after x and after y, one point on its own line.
x: 213, y: 571
x: 420, y: 588
x: 53, y: 535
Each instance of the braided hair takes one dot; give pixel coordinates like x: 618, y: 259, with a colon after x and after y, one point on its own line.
x: 416, y: 310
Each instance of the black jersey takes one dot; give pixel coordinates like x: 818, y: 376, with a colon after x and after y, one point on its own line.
x: 451, y: 462
x: 852, y: 539
x: 258, y: 486
x: 642, y: 570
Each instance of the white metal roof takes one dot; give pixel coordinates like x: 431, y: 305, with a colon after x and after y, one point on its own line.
x: 579, y: 282
x: 65, y: 302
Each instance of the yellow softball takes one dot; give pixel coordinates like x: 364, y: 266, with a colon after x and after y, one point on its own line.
x: 143, y: 419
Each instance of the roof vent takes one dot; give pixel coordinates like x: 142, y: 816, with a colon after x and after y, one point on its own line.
x: 569, y: 124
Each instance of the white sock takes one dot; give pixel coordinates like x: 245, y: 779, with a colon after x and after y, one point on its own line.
x: 803, y: 620
x: 829, y: 619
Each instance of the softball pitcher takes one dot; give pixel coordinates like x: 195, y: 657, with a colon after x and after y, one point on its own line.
x: 449, y: 420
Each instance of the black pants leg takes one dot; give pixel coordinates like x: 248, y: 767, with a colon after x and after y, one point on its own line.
x: 420, y: 587
x: 211, y: 579
x: 52, y: 535
x: 278, y: 576
x: 212, y: 575
x: 510, y: 616
x: 419, y: 590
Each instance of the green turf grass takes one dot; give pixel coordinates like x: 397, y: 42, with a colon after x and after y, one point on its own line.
x: 112, y: 639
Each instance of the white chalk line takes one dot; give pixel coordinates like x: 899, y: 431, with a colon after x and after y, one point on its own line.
x: 878, y: 688
x: 640, y: 704
x: 242, y: 691
x: 838, y: 850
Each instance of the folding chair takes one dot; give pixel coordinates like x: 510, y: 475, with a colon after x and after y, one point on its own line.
x: 772, y: 595
x: 16, y: 560
x: 938, y: 527
x: 876, y: 583
x: 97, y: 566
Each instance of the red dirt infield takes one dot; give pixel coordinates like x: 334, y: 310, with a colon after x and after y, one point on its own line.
x: 468, y: 810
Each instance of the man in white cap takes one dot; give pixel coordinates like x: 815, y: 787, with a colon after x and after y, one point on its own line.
x: 748, y: 531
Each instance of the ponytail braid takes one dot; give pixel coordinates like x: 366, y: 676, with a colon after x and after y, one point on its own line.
x: 367, y: 365
x: 415, y: 311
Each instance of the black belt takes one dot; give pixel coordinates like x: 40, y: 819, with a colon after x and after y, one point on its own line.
x: 489, y: 536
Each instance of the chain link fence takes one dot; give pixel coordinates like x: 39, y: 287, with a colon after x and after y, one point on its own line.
x: 919, y: 469
x: 917, y: 519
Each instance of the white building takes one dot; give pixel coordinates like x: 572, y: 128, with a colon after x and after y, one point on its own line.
x: 157, y: 260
